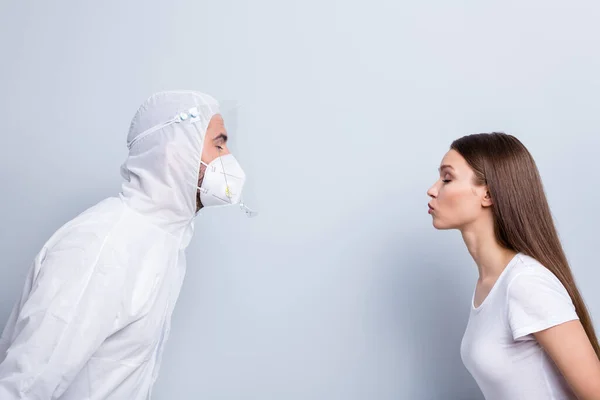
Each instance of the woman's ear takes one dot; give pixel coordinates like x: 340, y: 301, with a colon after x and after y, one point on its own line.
x: 487, y: 199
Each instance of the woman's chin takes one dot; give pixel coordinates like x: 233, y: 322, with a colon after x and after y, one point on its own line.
x: 439, y: 225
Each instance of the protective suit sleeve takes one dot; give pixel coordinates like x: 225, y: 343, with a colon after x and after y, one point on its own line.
x: 12, y: 319
x: 68, y: 308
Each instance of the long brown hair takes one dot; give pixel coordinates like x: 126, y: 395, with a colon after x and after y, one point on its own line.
x: 522, y: 218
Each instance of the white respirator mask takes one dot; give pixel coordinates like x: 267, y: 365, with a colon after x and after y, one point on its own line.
x: 223, y: 182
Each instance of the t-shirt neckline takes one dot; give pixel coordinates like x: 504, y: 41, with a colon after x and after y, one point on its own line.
x: 496, y: 284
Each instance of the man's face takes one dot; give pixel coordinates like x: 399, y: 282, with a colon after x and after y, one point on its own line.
x: 215, y: 145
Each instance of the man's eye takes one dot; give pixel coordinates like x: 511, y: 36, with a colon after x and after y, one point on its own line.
x: 220, y: 147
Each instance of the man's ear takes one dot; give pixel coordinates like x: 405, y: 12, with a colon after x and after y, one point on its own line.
x: 487, y: 199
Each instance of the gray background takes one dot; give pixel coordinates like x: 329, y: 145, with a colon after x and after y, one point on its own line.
x: 341, y: 289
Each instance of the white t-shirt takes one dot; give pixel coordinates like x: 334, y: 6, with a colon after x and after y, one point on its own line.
x: 498, y: 347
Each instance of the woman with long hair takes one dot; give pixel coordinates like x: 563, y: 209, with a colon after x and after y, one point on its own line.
x: 529, y: 334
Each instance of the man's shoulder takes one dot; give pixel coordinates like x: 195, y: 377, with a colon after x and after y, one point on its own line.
x: 80, y: 244
x: 89, y: 227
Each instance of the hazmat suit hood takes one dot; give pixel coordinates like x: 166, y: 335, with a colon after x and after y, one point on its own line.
x: 161, y: 170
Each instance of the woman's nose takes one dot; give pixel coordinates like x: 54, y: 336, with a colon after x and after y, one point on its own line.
x: 432, y: 192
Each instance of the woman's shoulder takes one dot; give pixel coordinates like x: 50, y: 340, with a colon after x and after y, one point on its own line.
x: 528, y: 273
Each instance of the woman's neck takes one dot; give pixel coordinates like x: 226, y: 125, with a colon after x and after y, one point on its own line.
x: 491, y: 258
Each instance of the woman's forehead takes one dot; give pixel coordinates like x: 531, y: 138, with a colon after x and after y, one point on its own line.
x: 454, y: 161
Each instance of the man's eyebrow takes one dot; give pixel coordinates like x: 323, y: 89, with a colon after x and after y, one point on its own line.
x: 221, y: 136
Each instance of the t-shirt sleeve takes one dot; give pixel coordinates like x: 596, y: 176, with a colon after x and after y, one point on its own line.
x: 537, y: 300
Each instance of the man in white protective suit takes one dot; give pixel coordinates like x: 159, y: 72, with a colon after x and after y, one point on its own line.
x: 96, y: 307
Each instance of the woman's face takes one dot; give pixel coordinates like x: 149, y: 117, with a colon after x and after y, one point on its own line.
x: 456, y: 202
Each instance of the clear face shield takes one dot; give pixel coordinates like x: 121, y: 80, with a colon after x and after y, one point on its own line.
x: 223, y: 178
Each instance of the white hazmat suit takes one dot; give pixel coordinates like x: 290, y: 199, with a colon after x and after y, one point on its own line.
x: 95, y: 311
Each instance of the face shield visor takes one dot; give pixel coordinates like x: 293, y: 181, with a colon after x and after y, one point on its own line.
x: 223, y: 179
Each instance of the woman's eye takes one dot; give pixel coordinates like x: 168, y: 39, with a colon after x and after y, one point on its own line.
x: 446, y: 180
